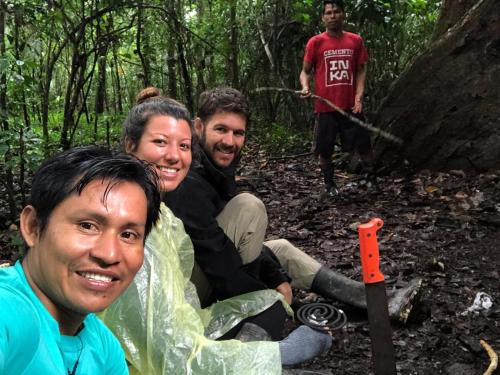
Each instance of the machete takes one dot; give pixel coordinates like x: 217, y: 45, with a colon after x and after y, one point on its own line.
x: 376, y: 300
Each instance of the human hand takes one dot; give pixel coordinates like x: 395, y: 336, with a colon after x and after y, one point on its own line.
x: 305, y: 92
x: 358, y: 106
x: 286, y: 289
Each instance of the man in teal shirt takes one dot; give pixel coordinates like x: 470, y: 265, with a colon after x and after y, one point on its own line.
x: 85, y: 228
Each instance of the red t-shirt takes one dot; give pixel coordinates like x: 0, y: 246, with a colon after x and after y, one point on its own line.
x: 335, y: 61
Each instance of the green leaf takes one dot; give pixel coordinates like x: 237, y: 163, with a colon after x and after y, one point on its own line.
x: 4, y: 65
x: 3, y: 149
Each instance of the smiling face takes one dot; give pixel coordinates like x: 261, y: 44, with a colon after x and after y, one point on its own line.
x: 89, y: 252
x: 333, y: 18
x: 166, y: 143
x: 222, y: 136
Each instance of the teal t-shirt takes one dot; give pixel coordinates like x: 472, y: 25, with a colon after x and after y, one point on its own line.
x: 30, y: 342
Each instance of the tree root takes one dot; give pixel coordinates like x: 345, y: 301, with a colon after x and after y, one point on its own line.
x: 493, y: 357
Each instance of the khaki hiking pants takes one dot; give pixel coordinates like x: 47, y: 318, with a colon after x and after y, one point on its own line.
x: 244, y: 221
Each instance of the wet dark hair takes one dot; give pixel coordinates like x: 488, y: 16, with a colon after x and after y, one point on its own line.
x: 70, y: 172
x: 150, y: 103
x: 222, y: 99
x: 339, y: 3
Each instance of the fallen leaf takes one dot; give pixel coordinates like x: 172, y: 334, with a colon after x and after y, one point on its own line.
x: 431, y: 189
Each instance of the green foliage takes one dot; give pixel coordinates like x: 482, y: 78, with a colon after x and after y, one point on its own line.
x: 395, y: 32
x: 302, y: 11
x: 54, y: 49
x: 11, y: 154
x: 16, y: 242
x: 111, y: 122
x: 34, y: 155
x: 279, y: 139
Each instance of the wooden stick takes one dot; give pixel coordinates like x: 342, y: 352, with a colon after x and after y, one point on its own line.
x: 493, y: 357
x: 354, y: 119
x: 289, y: 156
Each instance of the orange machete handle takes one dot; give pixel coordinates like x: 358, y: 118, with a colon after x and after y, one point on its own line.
x: 369, y: 251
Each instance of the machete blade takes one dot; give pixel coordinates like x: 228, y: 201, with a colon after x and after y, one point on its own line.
x: 376, y: 300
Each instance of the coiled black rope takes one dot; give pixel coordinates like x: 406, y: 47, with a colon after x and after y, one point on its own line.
x: 321, y: 316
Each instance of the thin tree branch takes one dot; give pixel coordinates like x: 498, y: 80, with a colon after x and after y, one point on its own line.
x: 382, y: 133
x: 290, y: 156
x: 493, y: 357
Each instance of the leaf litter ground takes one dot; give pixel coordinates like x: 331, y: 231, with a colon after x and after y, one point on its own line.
x: 443, y: 227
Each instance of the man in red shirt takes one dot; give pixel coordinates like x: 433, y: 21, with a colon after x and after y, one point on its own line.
x: 337, y: 59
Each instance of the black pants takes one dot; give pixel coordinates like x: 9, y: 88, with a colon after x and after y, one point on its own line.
x: 272, y: 320
x: 352, y: 136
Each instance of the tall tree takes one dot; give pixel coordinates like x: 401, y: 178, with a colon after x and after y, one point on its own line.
x: 7, y: 177
x: 232, y: 63
x: 23, y: 103
x: 141, y: 43
x: 445, y: 106
x: 102, y: 51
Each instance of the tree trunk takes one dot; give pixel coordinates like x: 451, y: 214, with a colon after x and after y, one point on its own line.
x: 24, y: 106
x: 175, y: 24
x: 171, y: 54
x: 100, y: 96
x: 4, y: 119
x: 188, y: 84
x: 78, y: 63
x: 45, y: 81
x: 445, y: 106
x: 451, y: 12
x: 171, y: 71
x: 46, y: 76
x: 3, y: 75
x: 141, y: 37
x: 200, y: 60
x: 233, y: 47
x: 118, y: 86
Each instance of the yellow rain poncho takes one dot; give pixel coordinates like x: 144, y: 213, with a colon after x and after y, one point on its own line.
x: 160, y: 323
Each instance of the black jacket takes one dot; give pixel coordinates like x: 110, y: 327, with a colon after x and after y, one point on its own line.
x: 197, y: 202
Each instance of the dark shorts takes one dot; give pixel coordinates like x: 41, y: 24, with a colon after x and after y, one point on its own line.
x: 272, y: 320
x: 352, y: 136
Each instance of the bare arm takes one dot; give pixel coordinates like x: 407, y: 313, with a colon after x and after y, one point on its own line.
x: 286, y: 289
x: 305, y: 78
x: 360, y: 89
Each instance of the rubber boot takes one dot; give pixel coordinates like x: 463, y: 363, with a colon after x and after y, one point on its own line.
x: 367, y: 168
x: 252, y: 332
x: 334, y: 285
x: 369, y: 175
x: 330, y: 186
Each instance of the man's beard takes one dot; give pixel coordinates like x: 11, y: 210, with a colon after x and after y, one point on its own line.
x: 210, y: 150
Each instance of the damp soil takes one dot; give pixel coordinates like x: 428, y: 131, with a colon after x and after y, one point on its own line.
x: 441, y: 227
